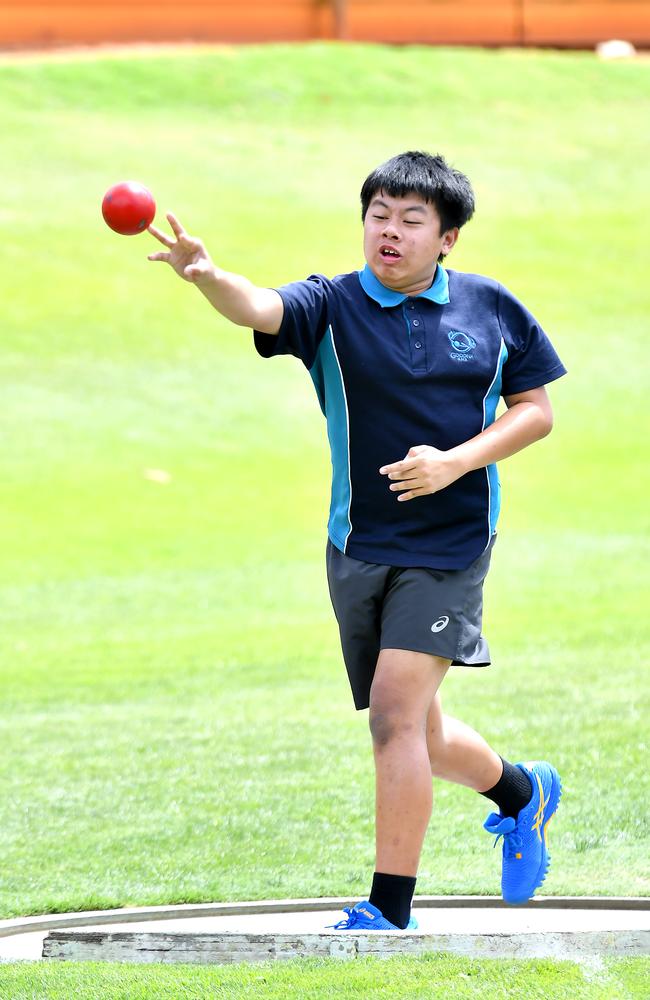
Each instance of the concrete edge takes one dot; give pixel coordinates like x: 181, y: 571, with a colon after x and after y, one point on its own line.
x: 50, y: 921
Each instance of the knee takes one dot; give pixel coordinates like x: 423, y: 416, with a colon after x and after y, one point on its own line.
x: 382, y: 727
x: 387, y: 724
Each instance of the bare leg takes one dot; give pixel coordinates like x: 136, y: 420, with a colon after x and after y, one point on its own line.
x: 402, y: 692
x: 458, y: 753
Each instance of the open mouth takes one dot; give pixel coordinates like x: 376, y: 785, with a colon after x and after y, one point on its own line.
x: 388, y: 253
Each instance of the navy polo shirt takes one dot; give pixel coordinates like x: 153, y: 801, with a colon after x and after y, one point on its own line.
x: 393, y: 371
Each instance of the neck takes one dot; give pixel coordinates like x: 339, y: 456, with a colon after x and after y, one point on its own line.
x: 413, y: 287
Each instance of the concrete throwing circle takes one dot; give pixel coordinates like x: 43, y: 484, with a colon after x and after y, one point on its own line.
x: 577, y: 928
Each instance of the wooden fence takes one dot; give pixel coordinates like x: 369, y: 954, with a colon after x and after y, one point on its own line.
x: 565, y: 23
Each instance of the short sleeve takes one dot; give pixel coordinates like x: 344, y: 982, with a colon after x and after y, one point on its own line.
x: 532, y: 360
x: 304, y: 322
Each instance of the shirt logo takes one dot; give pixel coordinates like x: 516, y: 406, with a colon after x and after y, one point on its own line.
x: 442, y: 622
x: 462, y: 344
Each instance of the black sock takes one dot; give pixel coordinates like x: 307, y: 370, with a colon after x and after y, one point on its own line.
x: 393, y: 895
x: 512, y: 791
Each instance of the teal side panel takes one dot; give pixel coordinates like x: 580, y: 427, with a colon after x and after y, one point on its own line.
x: 490, y: 404
x: 328, y: 382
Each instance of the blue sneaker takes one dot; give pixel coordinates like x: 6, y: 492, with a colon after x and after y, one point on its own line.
x: 525, y: 849
x: 366, y: 917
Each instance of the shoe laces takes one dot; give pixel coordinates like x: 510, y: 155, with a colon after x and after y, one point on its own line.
x: 512, y: 839
x: 347, y: 922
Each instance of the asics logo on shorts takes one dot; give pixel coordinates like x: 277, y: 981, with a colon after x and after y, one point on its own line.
x: 442, y: 622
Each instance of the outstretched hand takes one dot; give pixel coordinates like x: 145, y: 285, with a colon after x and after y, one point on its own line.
x: 186, y: 254
x: 424, y: 470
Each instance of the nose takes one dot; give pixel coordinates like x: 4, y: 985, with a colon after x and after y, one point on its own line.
x: 390, y: 231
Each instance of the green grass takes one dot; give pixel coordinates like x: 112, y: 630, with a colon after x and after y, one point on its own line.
x: 176, y: 723
x: 432, y: 977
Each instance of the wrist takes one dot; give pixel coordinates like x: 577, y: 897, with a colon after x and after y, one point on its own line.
x: 209, y: 278
x: 459, y: 460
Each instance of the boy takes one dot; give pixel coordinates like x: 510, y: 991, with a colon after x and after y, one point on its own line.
x: 409, y: 361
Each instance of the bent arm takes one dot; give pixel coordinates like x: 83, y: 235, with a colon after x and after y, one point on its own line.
x: 427, y: 469
x: 529, y: 418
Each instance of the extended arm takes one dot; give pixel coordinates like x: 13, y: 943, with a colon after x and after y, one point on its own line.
x: 234, y: 296
x: 426, y: 469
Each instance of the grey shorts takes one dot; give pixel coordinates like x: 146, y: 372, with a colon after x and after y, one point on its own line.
x: 392, y: 607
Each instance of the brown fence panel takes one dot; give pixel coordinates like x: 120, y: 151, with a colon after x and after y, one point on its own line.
x: 57, y: 23
x: 442, y: 22
x: 24, y: 23
x: 583, y: 22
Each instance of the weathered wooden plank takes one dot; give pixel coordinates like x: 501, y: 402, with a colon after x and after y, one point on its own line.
x: 233, y: 947
x: 195, y: 948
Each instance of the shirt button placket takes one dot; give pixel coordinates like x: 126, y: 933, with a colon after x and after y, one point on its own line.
x: 419, y: 353
x: 417, y: 337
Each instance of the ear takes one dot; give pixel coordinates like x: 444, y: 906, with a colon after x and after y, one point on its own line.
x: 448, y: 240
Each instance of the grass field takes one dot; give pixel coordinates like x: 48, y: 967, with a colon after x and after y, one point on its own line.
x: 175, y: 719
x: 433, y: 977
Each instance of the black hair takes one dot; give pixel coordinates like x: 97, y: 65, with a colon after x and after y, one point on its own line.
x: 430, y: 177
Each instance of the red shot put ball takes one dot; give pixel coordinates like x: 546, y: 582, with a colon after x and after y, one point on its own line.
x: 128, y: 208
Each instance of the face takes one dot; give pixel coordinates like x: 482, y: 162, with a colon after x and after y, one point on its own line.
x: 402, y: 241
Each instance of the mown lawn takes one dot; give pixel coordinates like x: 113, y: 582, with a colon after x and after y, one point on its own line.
x: 175, y: 718
x: 432, y: 977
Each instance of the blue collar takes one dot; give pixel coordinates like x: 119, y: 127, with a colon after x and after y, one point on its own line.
x: 438, y: 291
